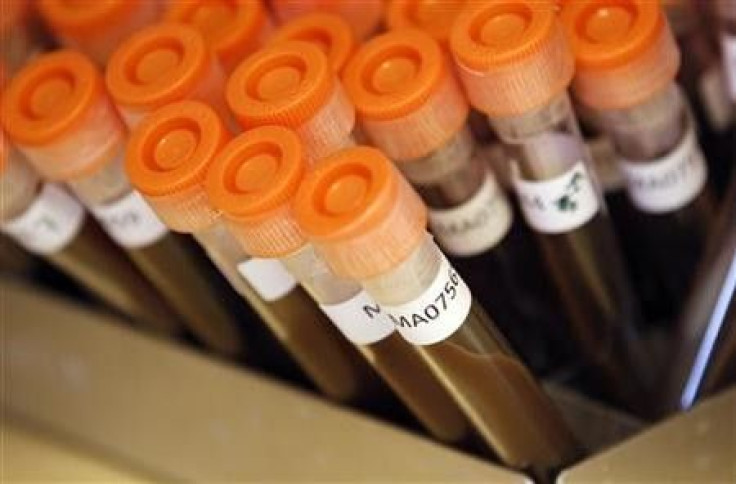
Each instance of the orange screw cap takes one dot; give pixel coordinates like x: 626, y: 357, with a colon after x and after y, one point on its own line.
x: 233, y: 28
x: 360, y: 213
x: 97, y: 27
x: 408, y: 101
x: 253, y: 181
x: 162, y: 64
x: 167, y: 160
x: 364, y: 16
x: 624, y: 51
x: 58, y: 114
x: 292, y: 84
x: 512, y: 55
x: 330, y: 32
x: 435, y: 17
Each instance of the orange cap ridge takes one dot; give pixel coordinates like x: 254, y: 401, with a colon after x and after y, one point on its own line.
x: 57, y: 112
x: 159, y: 65
x: 330, y: 32
x: 435, y: 17
x: 401, y: 85
x: 511, y: 55
x: 95, y: 26
x: 167, y: 160
x: 233, y: 28
x: 253, y: 182
x: 292, y: 84
x: 363, y: 16
x: 624, y: 51
x: 360, y: 213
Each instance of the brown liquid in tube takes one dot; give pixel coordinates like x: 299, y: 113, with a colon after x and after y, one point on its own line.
x: 505, y: 276
x: 323, y: 354
x: 585, y: 263
x: 397, y: 362
x: 672, y: 241
x: 92, y: 258
x: 504, y: 403
x: 170, y: 267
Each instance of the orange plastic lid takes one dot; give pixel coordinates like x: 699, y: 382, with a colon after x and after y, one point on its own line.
x: 253, y: 181
x: 158, y: 65
x: 284, y: 84
x: 50, y: 96
x: 624, y: 51
x: 360, y: 213
x: 511, y: 55
x: 82, y: 18
x: 167, y: 160
x: 330, y: 32
x: 400, y: 84
x: 364, y: 16
x: 435, y: 17
x: 233, y: 28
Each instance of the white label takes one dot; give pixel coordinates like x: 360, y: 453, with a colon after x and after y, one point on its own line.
x: 728, y: 47
x: 268, y: 277
x: 669, y: 183
x: 714, y: 97
x: 605, y: 161
x: 475, y: 226
x: 130, y: 221
x: 49, y: 224
x: 437, y: 313
x: 559, y: 204
x: 359, y: 319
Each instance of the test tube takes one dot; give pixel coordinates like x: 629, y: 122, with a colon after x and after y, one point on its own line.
x: 233, y: 29
x: 704, y: 359
x: 516, y: 66
x: 94, y: 27
x: 292, y: 84
x: 626, y: 62
x: 254, y: 181
x: 364, y: 16
x: 327, y: 31
x: 60, y: 117
x: 411, y: 107
x: 47, y: 221
x: 368, y: 224
x: 162, y: 64
x: 168, y: 158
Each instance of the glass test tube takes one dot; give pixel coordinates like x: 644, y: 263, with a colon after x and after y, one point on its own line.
x: 364, y: 16
x: 162, y: 64
x: 411, y: 107
x: 704, y: 360
x: 168, y: 157
x: 94, y: 27
x: 63, y: 121
x: 329, y: 32
x: 726, y: 10
x: 646, y: 116
x: 254, y: 182
x: 369, y: 225
x: 293, y: 84
x: 517, y: 73
x: 233, y: 29
x: 47, y: 221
